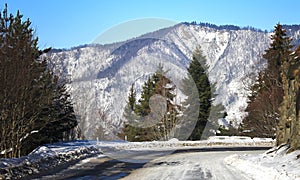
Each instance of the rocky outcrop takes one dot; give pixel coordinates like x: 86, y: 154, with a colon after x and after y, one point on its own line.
x: 289, y: 125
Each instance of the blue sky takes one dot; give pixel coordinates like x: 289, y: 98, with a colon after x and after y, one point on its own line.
x: 69, y: 23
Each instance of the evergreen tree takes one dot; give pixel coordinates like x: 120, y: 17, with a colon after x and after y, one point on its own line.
x: 31, y: 98
x: 203, y: 93
x: 132, y: 98
x: 190, y: 109
x: 129, y: 114
x: 146, y: 122
x: 131, y: 103
x: 58, y: 117
x: 267, y: 93
x: 143, y: 108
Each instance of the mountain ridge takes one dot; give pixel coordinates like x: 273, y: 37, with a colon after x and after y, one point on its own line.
x: 204, y: 24
x: 102, y: 74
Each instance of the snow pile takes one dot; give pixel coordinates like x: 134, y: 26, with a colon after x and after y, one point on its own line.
x: 47, y: 157
x: 173, y: 144
x: 273, y: 164
x: 240, y: 141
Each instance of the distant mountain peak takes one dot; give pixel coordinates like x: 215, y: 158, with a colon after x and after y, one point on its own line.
x: 102, y: 74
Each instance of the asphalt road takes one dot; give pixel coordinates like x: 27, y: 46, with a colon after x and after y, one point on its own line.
x: 201, y: 163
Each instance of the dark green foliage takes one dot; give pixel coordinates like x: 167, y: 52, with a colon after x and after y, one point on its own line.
x: 141, y: 115
x: 143, y: 108
x: 129, y: 114
x: 190, y: 109
x: 59, y: 121
x: 132, y: 98
x: 198, y: 75
x: 34, y: 104
x: 131, y: 104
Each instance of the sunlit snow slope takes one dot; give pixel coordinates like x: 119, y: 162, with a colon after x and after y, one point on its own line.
x: 100, y: 75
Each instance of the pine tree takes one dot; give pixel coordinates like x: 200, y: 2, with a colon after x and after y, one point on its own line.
x: 131, y: 103
x: 132, y: 98
x: 143, y: 108
x: 148, y: 123
x: 190, y: 109
x: 58, y: 118
x: 129, y: 114
x: 31, y: 98
x: 203, y: 94
x: 267, y: 93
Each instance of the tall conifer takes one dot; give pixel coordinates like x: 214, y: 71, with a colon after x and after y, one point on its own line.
x: 197, y: 74
x: 34, y: 105
x: 267, y: 93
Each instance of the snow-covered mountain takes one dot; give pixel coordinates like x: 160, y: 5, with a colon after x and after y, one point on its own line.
x: 101, y: 75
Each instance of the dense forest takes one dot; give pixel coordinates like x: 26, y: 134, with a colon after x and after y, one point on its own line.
x: 34, y: 103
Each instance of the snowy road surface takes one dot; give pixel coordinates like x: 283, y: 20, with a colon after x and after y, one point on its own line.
x: 186, y: 164
x: 191, y: 165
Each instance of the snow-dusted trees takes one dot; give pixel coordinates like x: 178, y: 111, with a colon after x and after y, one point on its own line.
x: 267, y: 93
x: 155, y: 115
x: 185, y: 121
x: 34, y: 104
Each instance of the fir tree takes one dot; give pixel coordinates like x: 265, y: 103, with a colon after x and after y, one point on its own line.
x: 143, y: 108
x: 131, y: 131
x: 131, y: 103
x: 148, y: 123
x: 203, y: 94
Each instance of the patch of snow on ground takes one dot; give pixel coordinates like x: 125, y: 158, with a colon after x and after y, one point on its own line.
x: 274, y: 164
x: 46, y: 157
x: 191, y: 165
x: 216, y: 141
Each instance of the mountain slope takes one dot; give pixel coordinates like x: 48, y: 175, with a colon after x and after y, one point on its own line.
x: 102, y: 74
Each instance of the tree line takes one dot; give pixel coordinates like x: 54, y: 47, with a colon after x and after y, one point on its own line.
x: 35, y: 107
x: 273, y: 107
x: 225, y: 27
x: 182, y: 120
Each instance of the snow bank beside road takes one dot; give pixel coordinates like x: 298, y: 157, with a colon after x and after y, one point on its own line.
x: 56, y: 155
x: 214, y: 141
x: 46, y: 157
x: 274, y: 164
